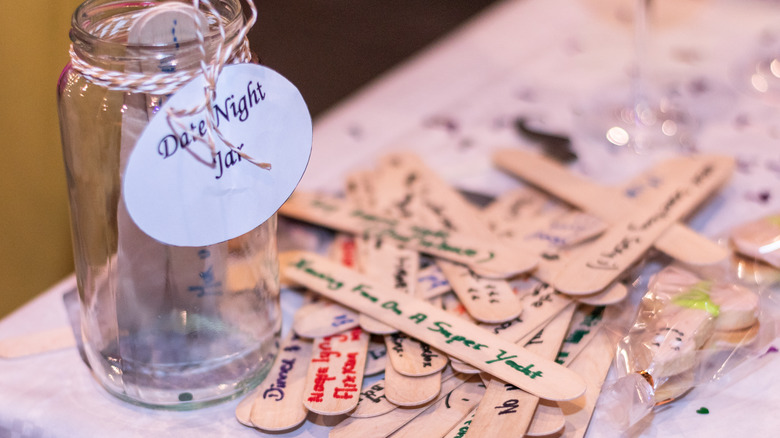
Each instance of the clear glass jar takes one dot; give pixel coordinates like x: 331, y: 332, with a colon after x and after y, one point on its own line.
x: 162, y: 326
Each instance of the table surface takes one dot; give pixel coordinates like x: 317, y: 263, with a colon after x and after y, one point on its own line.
x: 548, y: 61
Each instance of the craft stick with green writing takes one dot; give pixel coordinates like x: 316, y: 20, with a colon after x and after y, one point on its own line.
x: 439, y: 418
x: 335, y: 373
x: 385, y: 425
x: 592, y: 364
x: 585, y: 323
x: 487, y: 300
x: 451, y: 304
x: 278, y: 400
x: 488, y: 258
x: 389, y: 264
x: 506, y: 409
x: 693, y: 180
x: 36, y: 343
x: 404, y: 390
x: 609, y: 203
x: 437, y: 328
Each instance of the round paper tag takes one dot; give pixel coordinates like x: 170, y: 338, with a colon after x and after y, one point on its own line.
x: 178, y: 194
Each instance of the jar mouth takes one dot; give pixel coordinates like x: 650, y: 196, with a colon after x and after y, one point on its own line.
x: 106, y: 22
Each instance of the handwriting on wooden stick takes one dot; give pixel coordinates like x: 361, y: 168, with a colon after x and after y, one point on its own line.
x: 335, y: 372
x: 278, y: 404
x: 488, y: 258
x: 626, y: 241
x: 437, y: 328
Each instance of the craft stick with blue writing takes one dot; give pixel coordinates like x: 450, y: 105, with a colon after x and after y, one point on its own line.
x: 376, y: 358
x: 323, y: 318
x: 278, y: 400
x: 385, y: 425
x: 506, y: 409
x: 608, y: 203
x: 439, y: 418
x: 692, y: 180
x: 335, y: 373
x: 431, y: 282
x: 419, y: 319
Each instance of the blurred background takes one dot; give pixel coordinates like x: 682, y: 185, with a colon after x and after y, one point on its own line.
x: 327, y: 48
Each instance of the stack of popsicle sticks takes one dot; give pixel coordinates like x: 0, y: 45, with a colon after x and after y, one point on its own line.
x: 416, y: 239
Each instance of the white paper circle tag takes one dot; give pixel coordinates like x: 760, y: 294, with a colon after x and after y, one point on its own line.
x: 176, y: 193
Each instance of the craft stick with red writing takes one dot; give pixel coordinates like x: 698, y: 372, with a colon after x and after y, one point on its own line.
x: 278, y: 400
x: 419, y: 319
x: 335, y: 373
x: 691, y: 182
x: 611, y: 204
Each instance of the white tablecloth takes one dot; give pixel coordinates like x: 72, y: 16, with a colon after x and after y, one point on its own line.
x: 547, y: 61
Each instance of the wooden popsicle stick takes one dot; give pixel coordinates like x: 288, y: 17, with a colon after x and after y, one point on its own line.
x: 376, y: 357
x: 431, y: 283
x: 486, y: 300
x: 677, y: 241
x: 390, y: 264
x: 439, y: 418
x: 461, y: 429
x: 506, y: 409
x: 244, y: 409
x: 437, y: 328
x: 759, y: 239
x: 404, y: 390
x: 372, y: 402
x: 335, y: 373
x: 592, y: 364
x: 625, y: 242
x: 611, y: 295
x: 541, y: 304
x: 413, y: 358
x: 36, y: 343
x: 548, y: 419
x: 385, y: 425
x: 278, y: 401
x: 323, y: 318
x: 488, y: 258
x: 585, y: 323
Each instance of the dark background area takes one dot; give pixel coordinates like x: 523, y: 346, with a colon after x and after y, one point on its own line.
x: 329, y: 48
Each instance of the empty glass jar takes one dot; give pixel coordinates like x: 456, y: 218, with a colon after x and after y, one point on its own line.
x: 162, y: 326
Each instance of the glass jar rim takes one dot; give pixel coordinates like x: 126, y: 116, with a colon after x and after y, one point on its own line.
x: 82, y: 33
